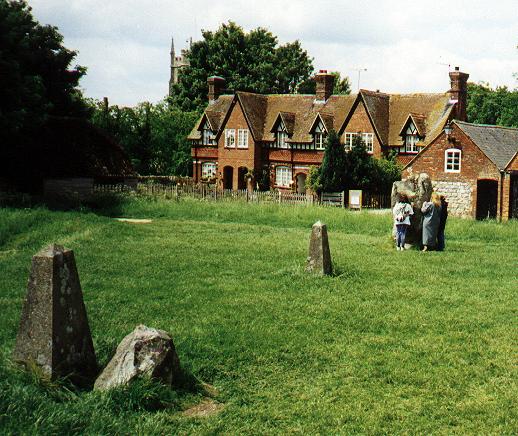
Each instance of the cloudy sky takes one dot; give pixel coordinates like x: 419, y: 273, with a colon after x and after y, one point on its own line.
x: 405, y: 45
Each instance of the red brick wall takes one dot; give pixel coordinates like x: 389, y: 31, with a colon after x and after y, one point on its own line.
x: 474, y: 164
x: 237, y: 157
x: 360, y: 122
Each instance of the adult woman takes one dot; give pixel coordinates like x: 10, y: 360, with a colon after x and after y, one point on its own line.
x: 442, y: 223
x: 431, y: 217
x: 401, y: 212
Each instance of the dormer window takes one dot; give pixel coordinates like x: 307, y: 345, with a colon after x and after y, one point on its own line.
x: 319, y: 136
x: 280, y: 136
x: 411, y: 139
x: 208, y: 137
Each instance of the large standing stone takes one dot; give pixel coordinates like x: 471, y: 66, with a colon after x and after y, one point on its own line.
x: 144, y: 352
x: 419, y: 189
x: 54, y: 333
x: 319, y: 257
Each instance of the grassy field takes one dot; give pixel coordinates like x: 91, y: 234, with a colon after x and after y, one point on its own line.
x: 393, y: 342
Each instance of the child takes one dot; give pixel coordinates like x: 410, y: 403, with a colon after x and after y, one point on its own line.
x: 401, y: 212
x: 431, y: 218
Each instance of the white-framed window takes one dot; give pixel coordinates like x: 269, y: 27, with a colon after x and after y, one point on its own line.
x: 368, y: 139
x: 282, y: 176
x: 280, y: 136
x: 411, y: 139
x: 230, y: 138
x: 319, y: 136
x: 452, y: 158
x: 348, y: 140
x: 242, y: 138
x: 208, y: 137
x: 208, y: 170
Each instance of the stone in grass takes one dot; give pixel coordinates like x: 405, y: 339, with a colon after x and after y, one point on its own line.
x: 319, y: 257
x: 54, y: 334
x: 144, y: 352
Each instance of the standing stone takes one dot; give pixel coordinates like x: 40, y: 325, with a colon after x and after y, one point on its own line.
x: 419, y: 189
x: 144, y: 352
x: 319, y: 258
x: 54, y: 333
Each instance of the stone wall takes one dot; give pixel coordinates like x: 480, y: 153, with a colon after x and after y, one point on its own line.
x: 458, y: 195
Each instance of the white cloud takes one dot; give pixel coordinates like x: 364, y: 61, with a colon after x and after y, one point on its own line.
x: 402, y: 43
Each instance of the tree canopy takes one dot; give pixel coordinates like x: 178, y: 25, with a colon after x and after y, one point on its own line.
x: 37, y: 80
x: 250, y: 61
x: 492, y: 106
x: 153, y: 136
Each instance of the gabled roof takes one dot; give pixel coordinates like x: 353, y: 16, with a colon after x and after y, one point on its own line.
x: 419, y: 122
x: 326, y: 119
x: 377, y: 105
x: 387, y: 112
x: 432, y: 110
x: 499, y: 144
x: 215, y: 113
x: 288, y: 121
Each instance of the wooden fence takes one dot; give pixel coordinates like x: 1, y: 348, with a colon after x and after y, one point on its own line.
x: 211, y: 193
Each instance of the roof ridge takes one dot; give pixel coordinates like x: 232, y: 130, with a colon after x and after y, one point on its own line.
x: 488, y: 126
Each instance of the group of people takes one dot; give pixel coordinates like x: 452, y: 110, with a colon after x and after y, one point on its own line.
x: 435, y: 214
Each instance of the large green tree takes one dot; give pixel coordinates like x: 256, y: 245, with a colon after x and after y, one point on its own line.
x: 487, y: 105
x: 153, y: 136
x: 250, y: 61
x: 37, y: 80
x: 334, y: 165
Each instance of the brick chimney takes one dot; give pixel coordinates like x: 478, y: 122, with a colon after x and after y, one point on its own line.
x: 216, y: 87
x: 325, y: 84
x: 459, y: 92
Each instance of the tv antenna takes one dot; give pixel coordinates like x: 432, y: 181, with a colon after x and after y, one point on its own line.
x: 359, y: 73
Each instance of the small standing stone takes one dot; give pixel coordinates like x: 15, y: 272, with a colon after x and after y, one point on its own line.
x: 319, y: 257
x: 54, y: 333
x: 144, y: 352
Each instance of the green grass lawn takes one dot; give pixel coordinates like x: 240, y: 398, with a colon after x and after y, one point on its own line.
x: 394, y: 342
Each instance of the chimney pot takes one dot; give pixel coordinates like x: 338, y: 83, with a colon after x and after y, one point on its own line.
x: 459, y: 92
x: 325, y: 84
x: 216, y: 87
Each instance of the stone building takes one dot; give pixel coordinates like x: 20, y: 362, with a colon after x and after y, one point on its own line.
x: 245, y: 134
x: 475, y: 167
x: 177, y: 63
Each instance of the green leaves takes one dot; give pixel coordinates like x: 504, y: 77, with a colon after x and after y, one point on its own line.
x: 248, y: 61
x: 492, y: 106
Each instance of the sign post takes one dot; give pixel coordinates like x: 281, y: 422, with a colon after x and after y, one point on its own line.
x: 355, y: 199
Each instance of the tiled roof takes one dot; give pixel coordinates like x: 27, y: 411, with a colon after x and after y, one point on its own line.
x: 433, y: 110
x: 215, y: 113
x: 499, y: 144
x: 389, y: 114
x: 377, y: 105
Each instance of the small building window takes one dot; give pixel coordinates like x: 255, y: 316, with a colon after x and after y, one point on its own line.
x: 280, y: 136
x: 208, y: 170
x: 208, y: 137
x: 368, y: 139
x: 282, y: 176
x: 452, y: 158
x: 242, y: 138
x: 411, y: 139
x: 319, y: 136
x: 230, y: 138
x: 348, y: 140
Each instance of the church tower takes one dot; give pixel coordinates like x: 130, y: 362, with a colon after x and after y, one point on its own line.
x: 177, y: 63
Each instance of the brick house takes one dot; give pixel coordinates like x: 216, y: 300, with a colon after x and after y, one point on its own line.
x: 243, y: 135
x: 476, y: 167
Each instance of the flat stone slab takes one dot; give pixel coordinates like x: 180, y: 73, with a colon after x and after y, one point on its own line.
x: 54, y: 333
x: 134, y: 220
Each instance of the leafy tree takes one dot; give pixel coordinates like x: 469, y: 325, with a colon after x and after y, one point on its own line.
x: 153, y: 136
x: 37, y: 80
x: 334, y: 164
x: 492, y: 106
x: 248, y: 61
